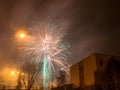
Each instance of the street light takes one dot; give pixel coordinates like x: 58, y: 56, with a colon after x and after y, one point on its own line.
x: 12, y: 73
x: 21, y: 35
x: 18, y: 72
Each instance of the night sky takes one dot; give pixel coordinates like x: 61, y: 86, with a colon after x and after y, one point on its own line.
x: 92, y: 25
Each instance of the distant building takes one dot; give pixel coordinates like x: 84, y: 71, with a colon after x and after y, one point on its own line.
x: 96, y: 72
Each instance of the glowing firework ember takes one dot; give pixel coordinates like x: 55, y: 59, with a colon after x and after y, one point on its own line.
x: 46, y: 47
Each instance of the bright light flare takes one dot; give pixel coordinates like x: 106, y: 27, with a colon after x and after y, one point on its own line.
x: 21, y: 34
x: 12, y: 73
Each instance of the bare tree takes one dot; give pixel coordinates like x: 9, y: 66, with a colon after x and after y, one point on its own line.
x: 31, y: 71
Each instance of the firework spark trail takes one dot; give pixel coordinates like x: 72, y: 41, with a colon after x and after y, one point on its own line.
x: 45, y: 46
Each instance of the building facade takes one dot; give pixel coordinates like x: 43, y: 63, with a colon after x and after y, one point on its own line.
x: 96, y: 72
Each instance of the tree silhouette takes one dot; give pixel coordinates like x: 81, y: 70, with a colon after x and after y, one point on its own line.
x: 32, y: 70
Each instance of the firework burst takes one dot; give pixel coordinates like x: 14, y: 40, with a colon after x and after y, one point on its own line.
x: 46, y: 47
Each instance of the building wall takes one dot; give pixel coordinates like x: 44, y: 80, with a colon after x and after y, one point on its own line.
x: 75, y: 78
x: 87, y: 74
x: 101, y: 61
x: 93, y: 68
x: 89, y: 66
